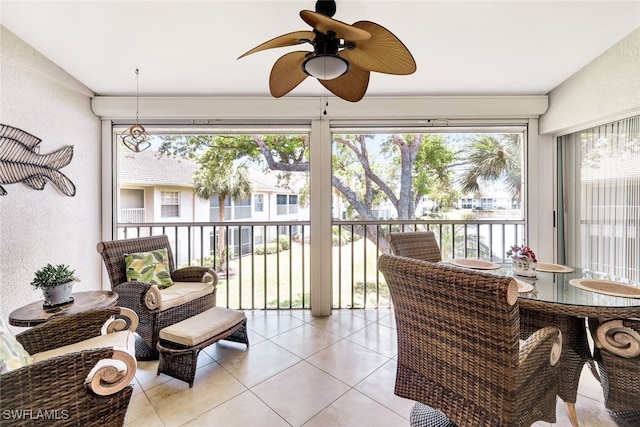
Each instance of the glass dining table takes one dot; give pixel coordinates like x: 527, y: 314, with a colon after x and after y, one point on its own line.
x: 558, y: 298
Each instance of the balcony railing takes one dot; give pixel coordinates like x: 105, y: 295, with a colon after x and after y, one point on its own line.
x: 132, y: 215
x: 265, y: 265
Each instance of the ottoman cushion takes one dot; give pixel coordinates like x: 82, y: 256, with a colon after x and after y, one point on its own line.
x: 199, y: 328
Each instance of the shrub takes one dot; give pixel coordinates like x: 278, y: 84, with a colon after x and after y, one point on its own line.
x: 284, y: 242
x: 271, y: 248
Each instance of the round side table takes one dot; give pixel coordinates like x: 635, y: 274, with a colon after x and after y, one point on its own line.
x: 35, y: 313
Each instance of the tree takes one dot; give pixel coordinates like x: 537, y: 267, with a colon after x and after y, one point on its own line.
x: 492, y: 159
x: 219, y: 177
x: 413, y: 165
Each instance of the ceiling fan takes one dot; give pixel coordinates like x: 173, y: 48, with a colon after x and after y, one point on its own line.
x: 343, y: 55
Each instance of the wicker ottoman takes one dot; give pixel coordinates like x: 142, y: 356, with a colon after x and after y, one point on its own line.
x: 181, y: 342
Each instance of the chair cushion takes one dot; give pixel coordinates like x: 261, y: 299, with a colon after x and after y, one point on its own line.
x: 121, y: 339
x: 182, y: 292
x: 12, y: 354
x: 196, y: 329
x: 149, y: 267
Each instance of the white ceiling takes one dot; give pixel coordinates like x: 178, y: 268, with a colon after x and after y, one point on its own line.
x: 186, y: 47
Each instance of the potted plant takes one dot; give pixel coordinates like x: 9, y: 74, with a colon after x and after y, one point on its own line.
x: 56, y: 282
x: 524, y: 260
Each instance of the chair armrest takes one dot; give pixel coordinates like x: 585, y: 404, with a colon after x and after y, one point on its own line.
x: 65, y: 330
x: 57, y: 384
x: 542, y: 347
x: 195, y: 274
x: 620, y: 337
x: 127, y: 320
x: 110, y: 375
x: 132, y: 294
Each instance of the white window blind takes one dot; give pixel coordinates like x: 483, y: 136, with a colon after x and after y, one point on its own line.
x: 601, y: 198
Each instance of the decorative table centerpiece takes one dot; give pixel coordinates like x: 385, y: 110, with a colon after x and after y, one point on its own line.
x: 56, y: 282
x: 524, y: 260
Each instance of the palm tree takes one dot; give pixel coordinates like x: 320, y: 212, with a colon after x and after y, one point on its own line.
x: 223, y: 180
x: 492, y: 159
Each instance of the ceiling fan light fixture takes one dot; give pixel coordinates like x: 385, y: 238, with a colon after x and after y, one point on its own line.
x: 325, y: 66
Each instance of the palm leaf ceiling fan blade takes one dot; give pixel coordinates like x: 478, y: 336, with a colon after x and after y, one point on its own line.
x: 352, y: 86
x: 287, y: 73
x: 383, y: 52
x: 338, y: 48
x: 324, y: 24
x: 289, y: 39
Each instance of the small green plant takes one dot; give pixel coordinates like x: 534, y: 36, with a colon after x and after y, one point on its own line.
x: 283, y: 241
x: 53, y: 275
x: 271, y: 248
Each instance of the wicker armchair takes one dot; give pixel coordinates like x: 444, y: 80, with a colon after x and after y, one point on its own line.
x: 77, y: 376
x: 192, y: 293
x: 459, y: 349
x: 617, y: 353
x: 415, y: 244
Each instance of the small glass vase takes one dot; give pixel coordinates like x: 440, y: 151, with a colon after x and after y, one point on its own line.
x: 524, y: 267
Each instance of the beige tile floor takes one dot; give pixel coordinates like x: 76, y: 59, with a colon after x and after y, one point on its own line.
x: 302, y: 371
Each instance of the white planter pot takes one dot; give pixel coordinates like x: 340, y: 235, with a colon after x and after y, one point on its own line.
x: 57, y: 295
x: 524, y: 268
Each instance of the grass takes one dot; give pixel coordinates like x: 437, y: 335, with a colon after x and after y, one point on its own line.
x: 260, y: 281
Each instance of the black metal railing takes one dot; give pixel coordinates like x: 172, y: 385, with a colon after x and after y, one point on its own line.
x: 265, y: 265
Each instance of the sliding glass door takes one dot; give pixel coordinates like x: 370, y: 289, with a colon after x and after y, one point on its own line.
x: 600, y: 175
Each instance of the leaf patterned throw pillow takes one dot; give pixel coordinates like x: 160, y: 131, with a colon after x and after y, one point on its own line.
x: 12, y: 354
x: 149, y: 267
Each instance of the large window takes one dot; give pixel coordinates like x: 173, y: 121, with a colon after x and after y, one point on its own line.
x: 600, y: 192
x: 430, y: 174
x: 385, y: 179
x: 248, y: 176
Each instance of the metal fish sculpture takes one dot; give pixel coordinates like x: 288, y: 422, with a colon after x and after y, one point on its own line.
x: 20, y: 161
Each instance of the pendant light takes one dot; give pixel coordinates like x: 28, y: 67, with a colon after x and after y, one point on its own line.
x: 136, y: 137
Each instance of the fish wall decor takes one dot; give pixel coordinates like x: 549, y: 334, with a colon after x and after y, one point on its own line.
x: 21, y: 161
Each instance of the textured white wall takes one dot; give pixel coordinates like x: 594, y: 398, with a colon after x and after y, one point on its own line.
x: 605, y: 90
x: 37, y: 227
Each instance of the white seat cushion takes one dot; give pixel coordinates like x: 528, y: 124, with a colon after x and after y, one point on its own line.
x: 122, y: 339
x: 183, y: 292
x: 194, y: 330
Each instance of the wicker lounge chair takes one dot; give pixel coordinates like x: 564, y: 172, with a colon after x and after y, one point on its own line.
x: 193, y: 291
x: 459, y: 349
x: 73, y: 374
x: 617, y: 352
x: 415, y: 244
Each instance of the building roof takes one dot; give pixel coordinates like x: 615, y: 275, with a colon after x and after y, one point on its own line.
x: 149, y: 168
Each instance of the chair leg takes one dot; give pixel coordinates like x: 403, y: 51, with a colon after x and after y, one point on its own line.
x: 573, y: 417
x: 144, y: 351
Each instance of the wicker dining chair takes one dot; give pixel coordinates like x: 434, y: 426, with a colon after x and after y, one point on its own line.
x: 459, y: 349
x: 415, y: 244
x: 193, y: 291
x: 617, y: 353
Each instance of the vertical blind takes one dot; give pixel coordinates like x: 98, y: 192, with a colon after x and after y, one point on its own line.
x: 601, y: 198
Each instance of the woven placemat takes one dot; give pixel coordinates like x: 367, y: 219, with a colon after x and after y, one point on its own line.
x: 607, y: 287
x: 477, y: 264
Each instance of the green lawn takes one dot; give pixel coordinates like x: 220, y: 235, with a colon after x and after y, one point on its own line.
x: 286, y: 274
